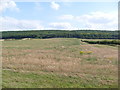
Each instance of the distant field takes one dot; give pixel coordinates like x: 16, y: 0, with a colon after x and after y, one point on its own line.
x: 58, y: 63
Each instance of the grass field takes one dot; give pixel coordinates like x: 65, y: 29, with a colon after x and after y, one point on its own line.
x: 58, y: 63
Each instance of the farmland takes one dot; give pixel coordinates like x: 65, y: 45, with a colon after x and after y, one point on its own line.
x: 58, y: 63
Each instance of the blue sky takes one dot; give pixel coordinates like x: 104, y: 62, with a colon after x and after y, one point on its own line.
x: 58, y: 15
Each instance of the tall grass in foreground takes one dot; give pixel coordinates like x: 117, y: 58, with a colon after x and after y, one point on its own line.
x: 58, y: 63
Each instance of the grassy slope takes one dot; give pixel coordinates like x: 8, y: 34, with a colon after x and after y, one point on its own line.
x: 56, y: 63
x: 31, y: 80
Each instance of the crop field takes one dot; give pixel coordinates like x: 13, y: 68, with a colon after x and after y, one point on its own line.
x: 58, y: 63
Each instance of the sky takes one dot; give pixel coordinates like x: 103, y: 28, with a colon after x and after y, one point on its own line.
x: 55, y: 15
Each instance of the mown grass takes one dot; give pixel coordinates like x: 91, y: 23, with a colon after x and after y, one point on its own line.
x: 33, y: 80
x: 58, y: 63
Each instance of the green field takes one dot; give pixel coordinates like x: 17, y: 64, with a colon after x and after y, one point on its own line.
x: 58, y: 63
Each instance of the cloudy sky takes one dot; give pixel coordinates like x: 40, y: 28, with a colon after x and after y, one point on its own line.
x: 58, y: 15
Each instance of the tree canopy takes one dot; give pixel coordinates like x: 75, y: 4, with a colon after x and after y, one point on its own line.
x: 83, y: 34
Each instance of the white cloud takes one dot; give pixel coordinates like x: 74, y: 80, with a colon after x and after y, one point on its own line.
x: 9, y: 23
x: 55, y: 6
x: 66, y: 17
x: 94, y: 20
x: 61, y: 26
x: 8, y: 4
x: 99, y: 20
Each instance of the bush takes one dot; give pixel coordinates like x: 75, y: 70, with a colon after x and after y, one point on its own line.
x: 107, y: 42
x: 85, y: 52
x: 82, y: 52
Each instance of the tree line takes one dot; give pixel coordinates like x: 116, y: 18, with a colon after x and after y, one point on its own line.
x: 107, y: 42
x: 43, y: 34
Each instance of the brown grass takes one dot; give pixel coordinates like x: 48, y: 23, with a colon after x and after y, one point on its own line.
x: 64, y: 60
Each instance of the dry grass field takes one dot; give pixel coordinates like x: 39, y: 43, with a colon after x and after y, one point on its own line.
x: 58, y: 63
